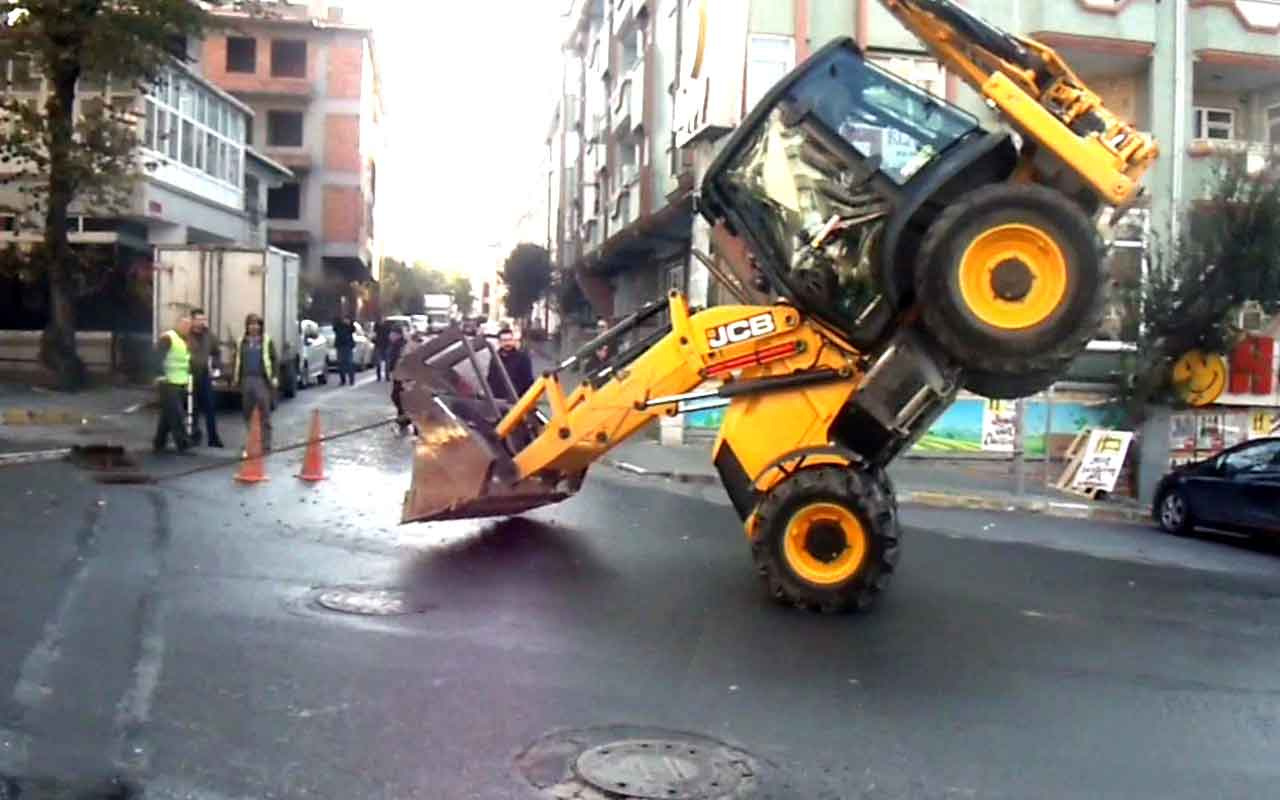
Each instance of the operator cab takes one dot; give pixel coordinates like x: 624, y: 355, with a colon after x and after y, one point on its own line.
x: 818, y: 171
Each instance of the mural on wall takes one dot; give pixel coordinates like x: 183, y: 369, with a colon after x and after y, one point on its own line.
x: 976, y: 425
x: 961, y: 428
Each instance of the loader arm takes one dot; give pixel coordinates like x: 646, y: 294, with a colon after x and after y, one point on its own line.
x: 533, y: 458
x: 1035, y: 89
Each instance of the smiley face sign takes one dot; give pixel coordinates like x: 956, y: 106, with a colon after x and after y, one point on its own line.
x: 1200, y: 377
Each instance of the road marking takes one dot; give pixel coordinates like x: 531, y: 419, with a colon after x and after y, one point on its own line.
x: 134, y: 709
x: 32, y: 686
x: 33, y: 456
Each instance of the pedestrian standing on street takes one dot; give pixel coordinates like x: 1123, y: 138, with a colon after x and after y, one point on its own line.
x: 382, y: 341
x: 395, y: 349
x: 517, y: 363
x: 255, y: 374
x: 175, y: 378
x: 344, y: 341
x: 206, y: 364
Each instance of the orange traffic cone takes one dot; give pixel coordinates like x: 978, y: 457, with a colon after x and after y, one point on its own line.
x: 313, y: 461
x: 252, y: 469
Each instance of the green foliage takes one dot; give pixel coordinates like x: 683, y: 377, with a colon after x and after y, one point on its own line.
x: 463, y: 295
x: 403, y: 286
x: 56, y: 156
x: 527, y: 275
x: 571, y: 301
x: 1227, y: 253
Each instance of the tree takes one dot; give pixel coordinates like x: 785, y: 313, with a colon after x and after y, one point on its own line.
x: 527, y: 275
x: 1227, y: 253
x: 59, y: 157
x: 403, y: 286
x: 463, y: 295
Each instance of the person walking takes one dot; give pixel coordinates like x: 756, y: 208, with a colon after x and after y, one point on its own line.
x: 395, y: 349
x: 172, y: 386
x: 516, y: 362
x: 206, y: 364
x: 256, y: 376
x: 344, y: 341
x: 381, y: 341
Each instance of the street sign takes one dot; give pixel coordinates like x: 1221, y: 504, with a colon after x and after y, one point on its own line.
x: 1102, y: 461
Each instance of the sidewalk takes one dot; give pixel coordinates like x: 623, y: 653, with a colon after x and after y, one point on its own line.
x: 936, y: 483
x: 32, y: 417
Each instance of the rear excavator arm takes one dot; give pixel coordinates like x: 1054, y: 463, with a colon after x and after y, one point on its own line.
x: 1039, y: 94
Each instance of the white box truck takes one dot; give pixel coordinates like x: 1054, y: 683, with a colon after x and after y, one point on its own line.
x: 230, y: 283
x: 439, y: 311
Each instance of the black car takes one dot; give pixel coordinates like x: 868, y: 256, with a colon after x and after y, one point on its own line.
x: 1236, y: 490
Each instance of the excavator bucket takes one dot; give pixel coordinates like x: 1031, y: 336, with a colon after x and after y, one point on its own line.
x: 461, y: 468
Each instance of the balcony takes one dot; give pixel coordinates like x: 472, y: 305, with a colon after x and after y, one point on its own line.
x: 258, y: 87
x: 1206, y: 156
x: 1116, y: 21
x: 1236, y: 26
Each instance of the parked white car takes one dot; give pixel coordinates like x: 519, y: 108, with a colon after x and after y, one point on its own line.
x: 314, y: 354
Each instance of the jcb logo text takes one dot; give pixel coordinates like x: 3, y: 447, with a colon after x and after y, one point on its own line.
x: 741, y: 330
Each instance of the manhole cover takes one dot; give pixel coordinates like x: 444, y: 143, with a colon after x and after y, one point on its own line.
x: 368, y: 602
x: 663, y: 769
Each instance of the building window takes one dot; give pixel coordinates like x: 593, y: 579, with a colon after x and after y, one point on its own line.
x: 769, y: 59
x: 1273, y: 125
x: 285, y: 202
x: 242, y: 54
x: 284, y: 129
x: 196, y: 128
x: 288, y: 58
x: 1214, y: 123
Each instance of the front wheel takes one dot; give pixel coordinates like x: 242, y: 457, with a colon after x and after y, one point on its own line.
x: 1012, y: 283
x: 827, y: 538
x: 1173, y: 512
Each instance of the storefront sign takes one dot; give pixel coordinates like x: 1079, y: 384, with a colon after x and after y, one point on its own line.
x: 1200, y: 377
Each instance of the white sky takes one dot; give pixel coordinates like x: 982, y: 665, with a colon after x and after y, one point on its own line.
x: 469, y: 90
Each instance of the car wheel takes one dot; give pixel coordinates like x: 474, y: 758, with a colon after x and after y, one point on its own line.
x: 1173, y: 512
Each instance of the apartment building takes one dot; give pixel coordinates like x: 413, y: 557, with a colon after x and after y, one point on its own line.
x: 312, y: 81
x: 652, y: 86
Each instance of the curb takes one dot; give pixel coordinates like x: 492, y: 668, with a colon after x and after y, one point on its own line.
x: 931, y: 499
x: 30, y: 416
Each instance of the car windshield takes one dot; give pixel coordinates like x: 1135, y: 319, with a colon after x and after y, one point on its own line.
x: 816, y: 154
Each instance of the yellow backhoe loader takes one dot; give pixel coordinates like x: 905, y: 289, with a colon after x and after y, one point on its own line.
x: 904, y: 252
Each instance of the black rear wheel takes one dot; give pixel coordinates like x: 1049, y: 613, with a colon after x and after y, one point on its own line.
x: 1012, y: 284
x: 1173, y: 512
x: 827, y: 538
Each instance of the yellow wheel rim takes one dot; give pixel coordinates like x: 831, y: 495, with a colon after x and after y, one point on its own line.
x: 1013, y: 276
x: 825, y: 544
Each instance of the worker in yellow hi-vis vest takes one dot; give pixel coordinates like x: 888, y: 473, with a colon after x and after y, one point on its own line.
x: 174, y: 381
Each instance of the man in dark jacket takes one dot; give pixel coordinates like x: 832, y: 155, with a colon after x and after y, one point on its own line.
x: 206, y: 364
x: 517, y: 364
x: 344, y: 341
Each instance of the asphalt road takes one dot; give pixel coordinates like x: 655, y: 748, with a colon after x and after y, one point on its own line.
x: 170, y: 635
